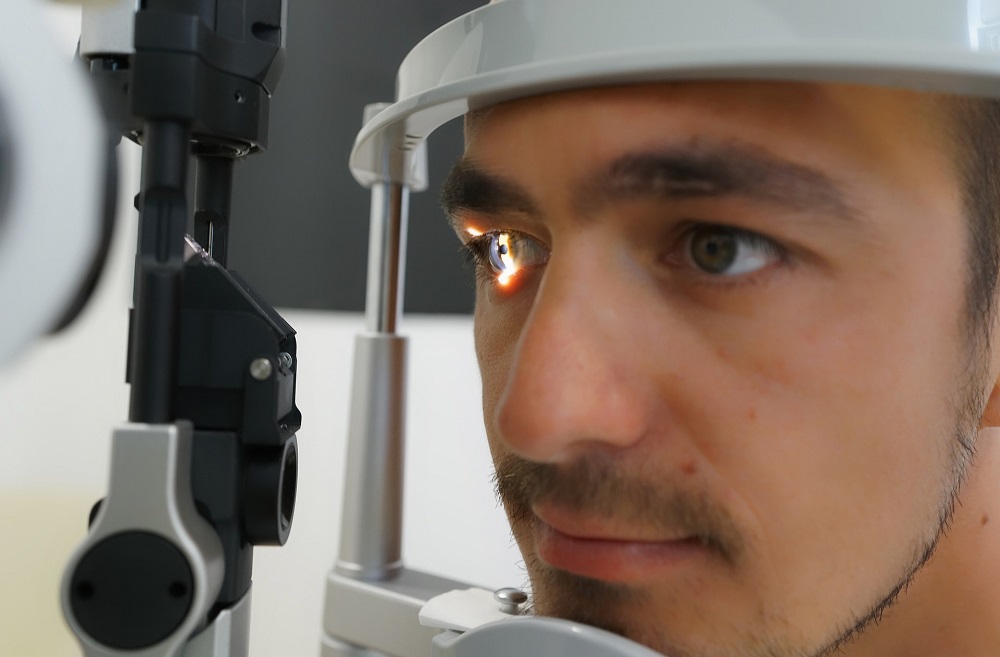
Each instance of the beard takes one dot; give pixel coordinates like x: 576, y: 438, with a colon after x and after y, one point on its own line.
x: 596, y: 485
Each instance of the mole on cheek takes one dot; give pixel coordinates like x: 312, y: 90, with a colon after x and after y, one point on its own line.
x: 689, y: 468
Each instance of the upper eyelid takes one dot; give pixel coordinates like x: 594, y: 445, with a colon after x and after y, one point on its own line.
x: 468, y: 237
x: 687, y: 232
x: 685, y: 229
x: 462, y: 219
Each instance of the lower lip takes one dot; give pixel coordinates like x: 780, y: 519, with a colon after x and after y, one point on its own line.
x: 624, y: 562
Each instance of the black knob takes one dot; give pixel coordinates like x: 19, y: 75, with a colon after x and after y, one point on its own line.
x: 132, y: 590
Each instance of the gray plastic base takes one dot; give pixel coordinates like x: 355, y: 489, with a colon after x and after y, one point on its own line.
x: 372, y: 618
x: 548, y: 637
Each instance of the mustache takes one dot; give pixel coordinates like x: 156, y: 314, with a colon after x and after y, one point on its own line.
x: 598, y: 486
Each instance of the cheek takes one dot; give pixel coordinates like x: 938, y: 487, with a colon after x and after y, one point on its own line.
x: 832, y: 422
x: 498, y: 324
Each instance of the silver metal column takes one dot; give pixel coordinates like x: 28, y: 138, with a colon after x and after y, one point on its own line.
x: 372, y: 601
x: 371, y: 528
x: 372, y: 520
x: 386, y: 256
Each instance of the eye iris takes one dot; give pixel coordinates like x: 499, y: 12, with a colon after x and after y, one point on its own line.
x: 501, y: 253
x: 713, y: 251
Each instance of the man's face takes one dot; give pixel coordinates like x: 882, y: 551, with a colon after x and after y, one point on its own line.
x: 724, y: 351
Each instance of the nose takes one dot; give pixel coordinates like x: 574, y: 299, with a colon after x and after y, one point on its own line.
x: 579, y: 377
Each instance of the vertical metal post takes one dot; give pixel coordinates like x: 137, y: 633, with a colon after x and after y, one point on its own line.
x: 371, y: 527
x: 386, y: 256
x: 368, y: 573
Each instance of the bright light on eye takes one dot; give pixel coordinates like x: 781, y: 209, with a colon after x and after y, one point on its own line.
x: 505, y: 277
x: 505, y: 253
x: 473, y: 232
x: 505, y: 256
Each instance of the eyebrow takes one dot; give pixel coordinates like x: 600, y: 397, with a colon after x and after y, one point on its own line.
x: 470, y: 188
x: 698, y: 168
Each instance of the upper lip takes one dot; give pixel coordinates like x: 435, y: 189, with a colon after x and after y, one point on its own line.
x: 599, y: 528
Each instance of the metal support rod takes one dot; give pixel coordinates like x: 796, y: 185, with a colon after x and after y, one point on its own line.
x: 371, y: 527
x: 386, y: 256
x: 212, y: 204
x: 159, y: 264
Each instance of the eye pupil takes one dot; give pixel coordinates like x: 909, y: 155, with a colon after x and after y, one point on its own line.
x: 713, y: 251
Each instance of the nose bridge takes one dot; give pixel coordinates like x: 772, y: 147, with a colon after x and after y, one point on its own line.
x: 576, y: 378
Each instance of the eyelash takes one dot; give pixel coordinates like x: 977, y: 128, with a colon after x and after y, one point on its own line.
x: 474, y: 254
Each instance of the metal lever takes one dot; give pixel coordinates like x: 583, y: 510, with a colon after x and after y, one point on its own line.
x: 151, y: 567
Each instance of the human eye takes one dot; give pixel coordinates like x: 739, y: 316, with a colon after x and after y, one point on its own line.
x: 723, y: 251
x: 499, y: 255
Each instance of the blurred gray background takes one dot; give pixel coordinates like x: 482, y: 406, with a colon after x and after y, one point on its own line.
x: 299, y: 220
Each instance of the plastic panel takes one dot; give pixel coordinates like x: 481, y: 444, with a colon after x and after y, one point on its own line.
x: 517, y: 48
x: 550, y: 637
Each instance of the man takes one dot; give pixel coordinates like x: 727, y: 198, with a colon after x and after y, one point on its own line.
x: 736, y: 342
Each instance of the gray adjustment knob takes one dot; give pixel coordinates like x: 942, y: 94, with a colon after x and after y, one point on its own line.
x: 510, y: 599
x: 261, y: 369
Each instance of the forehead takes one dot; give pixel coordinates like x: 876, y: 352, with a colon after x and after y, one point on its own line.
x: 881, y: 122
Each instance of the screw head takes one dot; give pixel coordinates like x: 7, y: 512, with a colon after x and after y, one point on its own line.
x: 285, y: 359
x: 261, y: 369
x: 510, y: 599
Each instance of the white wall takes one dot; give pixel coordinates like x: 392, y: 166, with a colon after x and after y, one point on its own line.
x: 59, y: 402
